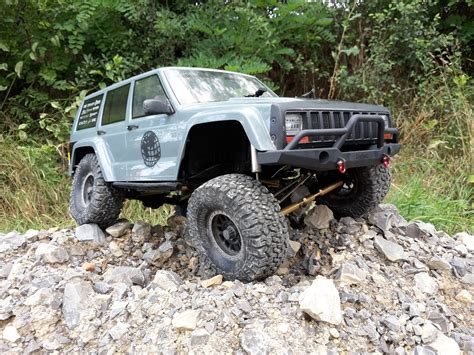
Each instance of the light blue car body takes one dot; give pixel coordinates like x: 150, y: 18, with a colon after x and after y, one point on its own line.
x: 119, y: 149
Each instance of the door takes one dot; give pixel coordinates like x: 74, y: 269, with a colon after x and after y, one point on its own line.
x: 112, y: 129
x: 152, y: 144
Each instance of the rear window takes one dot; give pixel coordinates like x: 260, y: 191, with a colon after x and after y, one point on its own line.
x: 89, y: 112
x: 115, y: 105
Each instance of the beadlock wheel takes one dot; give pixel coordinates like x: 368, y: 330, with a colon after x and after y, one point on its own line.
x: 236, y: 225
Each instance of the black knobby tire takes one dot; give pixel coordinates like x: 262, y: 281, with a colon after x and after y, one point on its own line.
x: 245, y: 207
x: 368, y: 187
x: 93, y: 200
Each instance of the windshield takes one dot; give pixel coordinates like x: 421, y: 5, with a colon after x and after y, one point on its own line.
x: 195, y: 86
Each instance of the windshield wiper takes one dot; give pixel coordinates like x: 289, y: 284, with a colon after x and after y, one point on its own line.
x: 257, y: 93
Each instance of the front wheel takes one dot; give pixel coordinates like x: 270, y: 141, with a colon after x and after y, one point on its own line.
x: 237, y: 226
x: 364, y: 188
x: 93, y: 200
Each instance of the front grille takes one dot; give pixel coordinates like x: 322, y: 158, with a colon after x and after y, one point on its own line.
x: 363, y: 131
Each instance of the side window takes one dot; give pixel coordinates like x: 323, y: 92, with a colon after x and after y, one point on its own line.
x: 115, y: 105
x: 89, y: 112
x: 146, y: 88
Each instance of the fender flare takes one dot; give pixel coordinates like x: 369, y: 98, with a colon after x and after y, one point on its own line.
x: 102, y: 154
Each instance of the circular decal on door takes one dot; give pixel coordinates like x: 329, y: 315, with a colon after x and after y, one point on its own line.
x: 151, y: 150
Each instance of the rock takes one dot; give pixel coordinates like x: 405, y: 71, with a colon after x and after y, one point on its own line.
x: 468, y: 279
x: 165, y: 250
x: 51, y: 253
x: 186, y: 320
x: 321, y: 301
x: 392, y: 323
x: 199, y: 337
x: 319, y: 217
x: 11, y: 334
x: 166, y: 280
x: 464, y: 296
x: 334, y: 333
x: 213, y: 281
x: 77, y: 302
x: 293, y: 249
x: 43, y: 296
x: 253, y: 342
x: 420, y: 230
x: 425, y: 283
x: 11, y: 241
x: 141, y: 232
x: 125, y: 274
x: 466, y: 239
x: 102, y: 287
x: 349, y: 274
x: 444, y: 345
x: 437, y: 263
x: 90, y: 232
x: 440, y: 320
x: 88, y: 266
x: 177, y: 224
x: 119, y: 229
x: 31, y: 235
x: 5, y: 270
x: 6, y: 308
x: 429, y: 332
x: 391, y: 250
x: 382, y: 220
x: 119, y: 330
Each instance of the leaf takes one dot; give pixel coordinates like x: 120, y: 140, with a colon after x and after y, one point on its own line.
x: 19, y: 68
x: 34, y: 46
x: 470, y: 179
x: 351, y: 51
x: 22, y: 126
x: 22, y: 134
x: 355, y: 16
x: 324, y: 21
x: 4, y: 66
x: 4, y: 47
x: 55, y: 105
x: 3, y: 88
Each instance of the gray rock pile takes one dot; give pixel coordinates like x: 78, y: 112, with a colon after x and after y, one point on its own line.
x: 378, y: 284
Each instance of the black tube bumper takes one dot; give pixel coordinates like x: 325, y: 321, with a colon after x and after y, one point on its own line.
x: 327, y: 158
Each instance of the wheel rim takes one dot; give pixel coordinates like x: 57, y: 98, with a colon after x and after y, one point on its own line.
x: 87, y: 189
x: 225, y: 233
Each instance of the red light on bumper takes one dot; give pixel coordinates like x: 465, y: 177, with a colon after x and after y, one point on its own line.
x: 386, y: 161
x: 388, y: 136
x: 302, y: 140
x: 342, y: 166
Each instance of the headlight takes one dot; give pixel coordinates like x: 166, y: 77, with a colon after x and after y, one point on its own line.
x: 386, y: 120
x: 293, y: 123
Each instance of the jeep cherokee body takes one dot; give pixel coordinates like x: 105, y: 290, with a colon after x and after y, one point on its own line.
x: 227, y: 144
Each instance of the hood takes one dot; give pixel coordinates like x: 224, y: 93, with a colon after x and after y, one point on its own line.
x: 317, y: 104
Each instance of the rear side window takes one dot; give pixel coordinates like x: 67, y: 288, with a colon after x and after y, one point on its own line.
x: 89, y: 113
x: 146, y: 88
x: 115, y: 105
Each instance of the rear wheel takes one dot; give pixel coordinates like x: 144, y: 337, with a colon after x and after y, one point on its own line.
x: 237, y: 226
x: 93, y: 200
x: 364, y: 188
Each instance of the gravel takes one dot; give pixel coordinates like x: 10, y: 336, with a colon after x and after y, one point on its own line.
x: 370, y: 285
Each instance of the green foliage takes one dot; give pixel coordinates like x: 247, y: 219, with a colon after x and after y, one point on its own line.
x: 411, y: 55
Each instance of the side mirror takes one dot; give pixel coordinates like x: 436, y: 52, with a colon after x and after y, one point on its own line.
x: 157, y: 106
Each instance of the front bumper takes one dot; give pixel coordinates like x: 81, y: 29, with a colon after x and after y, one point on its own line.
x: 327, y: 158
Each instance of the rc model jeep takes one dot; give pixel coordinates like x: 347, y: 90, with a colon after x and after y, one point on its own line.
x: 227, y: 151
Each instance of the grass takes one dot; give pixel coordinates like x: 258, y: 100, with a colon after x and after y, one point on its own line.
x: 34, y: 191
x: 424, y: 191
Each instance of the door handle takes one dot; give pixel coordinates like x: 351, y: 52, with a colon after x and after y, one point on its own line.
x: 132, y: 127
x: 101, y: 133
